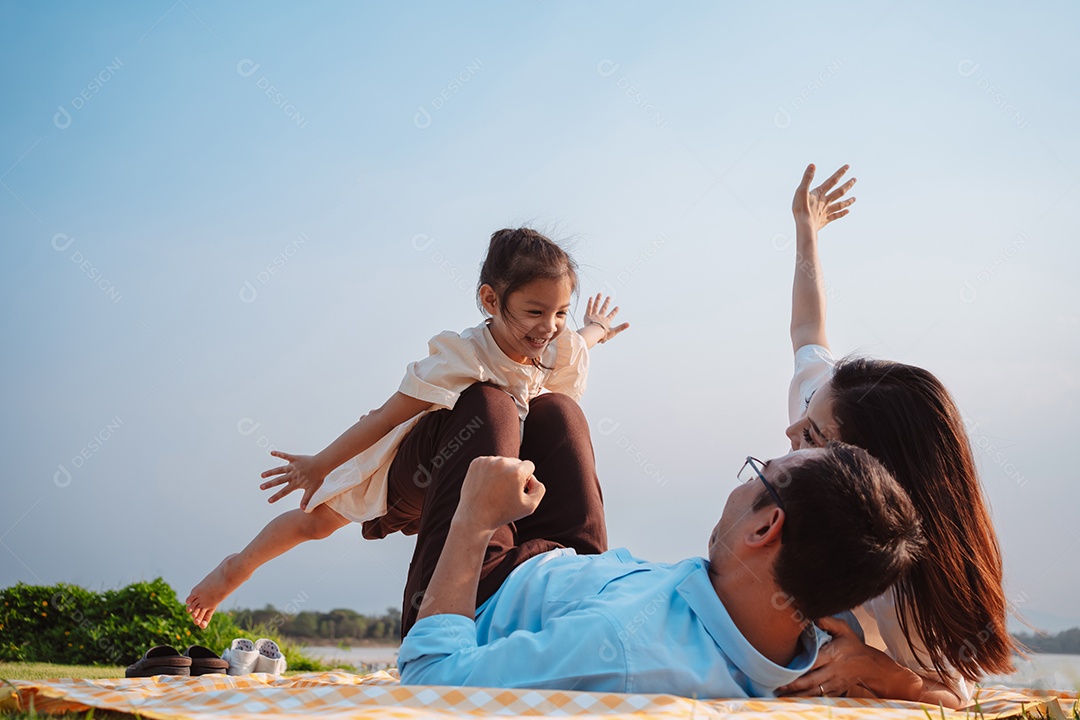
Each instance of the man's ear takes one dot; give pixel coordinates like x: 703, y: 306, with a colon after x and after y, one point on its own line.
x: 768, y: 530
x: 488, y: 299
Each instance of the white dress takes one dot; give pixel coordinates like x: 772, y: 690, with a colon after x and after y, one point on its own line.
x: 813, y: 368
x: 357, y: 488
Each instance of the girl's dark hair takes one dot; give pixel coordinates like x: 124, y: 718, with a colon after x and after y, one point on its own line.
x: 517, y: 257
x: 953, y: 596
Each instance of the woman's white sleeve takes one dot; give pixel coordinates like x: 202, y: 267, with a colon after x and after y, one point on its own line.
x: 813, y: 368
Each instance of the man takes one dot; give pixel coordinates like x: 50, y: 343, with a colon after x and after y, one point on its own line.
x: 807, y: 536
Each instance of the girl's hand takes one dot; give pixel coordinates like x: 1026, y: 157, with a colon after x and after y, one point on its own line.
x: 822, y: 205
x: 302, y: 473
x: 842, y: 664
x: 597, y: 314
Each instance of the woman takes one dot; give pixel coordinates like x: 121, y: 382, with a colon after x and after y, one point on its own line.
x: 943, y: 625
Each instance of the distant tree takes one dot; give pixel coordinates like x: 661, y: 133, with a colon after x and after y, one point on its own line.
x: 1066, y: 642
x: 338, y: 624
x: 303, y: 624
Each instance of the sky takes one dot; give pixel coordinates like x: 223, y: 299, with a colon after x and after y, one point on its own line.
x: 229, y: 227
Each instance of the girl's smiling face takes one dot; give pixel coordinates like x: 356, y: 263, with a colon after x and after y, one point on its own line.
x: 534, y: 315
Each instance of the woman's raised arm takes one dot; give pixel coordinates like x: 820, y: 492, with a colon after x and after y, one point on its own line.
x: 813, y: 210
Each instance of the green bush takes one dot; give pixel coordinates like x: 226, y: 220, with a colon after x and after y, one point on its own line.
x: 72, y: 625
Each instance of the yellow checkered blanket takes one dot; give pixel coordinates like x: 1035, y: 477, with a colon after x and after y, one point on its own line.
x: 380, y: 695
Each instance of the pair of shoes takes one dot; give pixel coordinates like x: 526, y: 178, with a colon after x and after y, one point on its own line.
x: 165, y: 660
x: 262, y: 656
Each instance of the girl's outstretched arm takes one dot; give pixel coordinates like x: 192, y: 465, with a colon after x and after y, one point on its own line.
x: 813, y: 210
x: 598, y: 321
x: 307, y: 472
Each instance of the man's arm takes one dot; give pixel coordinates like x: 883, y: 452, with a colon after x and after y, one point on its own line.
x: 580, y: 650
x: 441, y: 648
x: 496, y: 491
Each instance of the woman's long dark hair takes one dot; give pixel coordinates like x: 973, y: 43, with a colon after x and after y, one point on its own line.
x: 953, y: 596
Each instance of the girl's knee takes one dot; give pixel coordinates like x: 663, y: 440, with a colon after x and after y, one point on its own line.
x: 486, y: 399
x: 323, y: 522
x: 557, y: 409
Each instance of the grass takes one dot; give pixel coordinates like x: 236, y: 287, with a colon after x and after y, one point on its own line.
x: 46, y: 671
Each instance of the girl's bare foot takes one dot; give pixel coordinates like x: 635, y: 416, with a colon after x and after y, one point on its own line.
x: 214, y: 588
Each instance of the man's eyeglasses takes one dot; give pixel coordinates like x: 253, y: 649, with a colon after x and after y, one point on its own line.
x: 752, y: 468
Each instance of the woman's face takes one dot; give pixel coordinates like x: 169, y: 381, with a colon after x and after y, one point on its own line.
x: 818, y: 425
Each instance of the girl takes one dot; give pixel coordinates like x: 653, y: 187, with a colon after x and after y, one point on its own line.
x: 526, y: 283
x: 943, y: 625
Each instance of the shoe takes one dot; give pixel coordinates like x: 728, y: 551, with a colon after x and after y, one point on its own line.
x: 241, y: 657
x: 270, y: 659
x: 205, y: 661
x: 160, y: 660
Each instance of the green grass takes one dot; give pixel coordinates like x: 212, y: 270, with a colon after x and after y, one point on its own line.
x: 48, y: 671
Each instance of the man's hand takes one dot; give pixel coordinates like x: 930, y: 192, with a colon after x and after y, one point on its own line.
x: 819, y: 207
x: 497, y: 491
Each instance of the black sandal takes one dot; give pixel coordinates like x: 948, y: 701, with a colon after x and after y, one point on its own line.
x: 160, y: 660
x: 205, y: 661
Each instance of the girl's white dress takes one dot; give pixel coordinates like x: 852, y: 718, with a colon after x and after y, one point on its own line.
x: 357, y: 488
x: 813, y: 368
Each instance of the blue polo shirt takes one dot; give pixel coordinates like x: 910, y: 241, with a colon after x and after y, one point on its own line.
x: 605, y: 622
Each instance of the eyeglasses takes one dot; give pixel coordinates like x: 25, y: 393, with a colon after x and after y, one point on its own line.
x: 746, y: 476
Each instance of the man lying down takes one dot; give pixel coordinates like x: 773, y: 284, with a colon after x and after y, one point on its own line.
x: 804, y: 536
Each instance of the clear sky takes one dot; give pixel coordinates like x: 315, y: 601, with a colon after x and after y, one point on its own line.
x: 231, y: 226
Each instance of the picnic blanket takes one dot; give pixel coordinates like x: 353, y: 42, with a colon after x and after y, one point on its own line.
x: 380, y: 695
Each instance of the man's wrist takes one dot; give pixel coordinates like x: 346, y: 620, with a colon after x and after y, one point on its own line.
x: 469, y: 526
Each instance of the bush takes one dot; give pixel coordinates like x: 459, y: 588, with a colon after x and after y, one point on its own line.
x: 75, y: 626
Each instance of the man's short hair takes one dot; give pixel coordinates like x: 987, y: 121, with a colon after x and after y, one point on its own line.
x: 850, y: 531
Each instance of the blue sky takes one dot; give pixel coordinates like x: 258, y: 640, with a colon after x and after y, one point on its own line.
x: 232, y: 226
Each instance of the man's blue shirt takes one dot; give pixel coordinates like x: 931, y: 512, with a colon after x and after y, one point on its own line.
x: 605, y: 622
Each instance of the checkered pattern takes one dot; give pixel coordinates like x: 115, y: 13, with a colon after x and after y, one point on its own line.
x: 381, y: 696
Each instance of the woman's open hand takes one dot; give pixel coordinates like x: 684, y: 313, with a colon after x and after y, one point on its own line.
x: 842, y: 664
x: 823, y: 204
x: 302, y: 473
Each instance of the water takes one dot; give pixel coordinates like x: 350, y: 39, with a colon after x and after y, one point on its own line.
x: 1042, y: 671
x: 363, y: 657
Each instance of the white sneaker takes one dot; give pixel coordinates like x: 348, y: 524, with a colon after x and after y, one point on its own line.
x: 269, y: 660
x: 241, y: 656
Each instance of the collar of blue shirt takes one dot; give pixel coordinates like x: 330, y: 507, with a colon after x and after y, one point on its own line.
x: 759, y: 670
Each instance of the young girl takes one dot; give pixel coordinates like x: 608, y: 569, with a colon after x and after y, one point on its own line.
x: 526, y: 284
x: 942, y: 626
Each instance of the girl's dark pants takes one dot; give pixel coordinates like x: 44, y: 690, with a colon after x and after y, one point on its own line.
x: 427, y: 473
